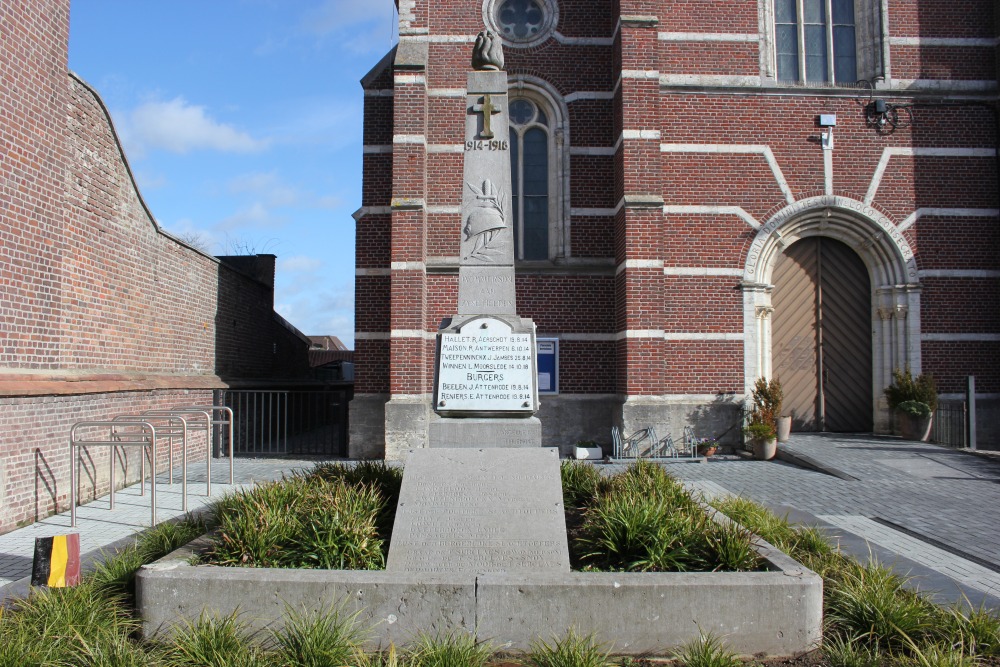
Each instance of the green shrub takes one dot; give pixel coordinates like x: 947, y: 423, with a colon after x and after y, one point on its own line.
x: 915, y: 408
x: 905, y: 387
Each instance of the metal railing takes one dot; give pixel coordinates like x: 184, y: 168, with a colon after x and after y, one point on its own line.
x: 288, y: 421
x: 950, y: 424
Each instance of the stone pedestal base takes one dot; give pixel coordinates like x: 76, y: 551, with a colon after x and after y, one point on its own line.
x: 486, y: 432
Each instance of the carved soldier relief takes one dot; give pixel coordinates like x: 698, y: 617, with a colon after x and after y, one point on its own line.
x: 486, y: 223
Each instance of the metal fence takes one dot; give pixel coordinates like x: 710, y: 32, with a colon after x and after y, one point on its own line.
x: 289, y: 421
x: 949, y: 426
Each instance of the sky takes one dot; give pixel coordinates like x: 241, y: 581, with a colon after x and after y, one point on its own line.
x: 242, y: 121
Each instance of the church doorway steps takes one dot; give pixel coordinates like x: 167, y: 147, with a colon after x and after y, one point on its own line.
x: 822, y: 340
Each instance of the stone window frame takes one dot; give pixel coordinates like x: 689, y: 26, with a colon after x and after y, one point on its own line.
x: 550, y: 11
x: 549, y: 102
x: 871, y: 28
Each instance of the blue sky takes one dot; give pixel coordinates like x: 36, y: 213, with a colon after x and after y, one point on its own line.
x: 242, y: 122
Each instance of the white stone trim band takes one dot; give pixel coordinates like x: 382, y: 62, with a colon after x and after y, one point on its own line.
x: 408, y: 266
x: 710, y: 81
x: 445, y: 148
x: 988, y: 42
x: 701, y: 271
x: 409, y: 139
x: 947, y: 213
x: 707, y: 37
x: 360, y: 273
x: 412, y: 333
x: 376, y: 149
x: 958, y: 273
x: 738, y: 211
x: 961, y: 337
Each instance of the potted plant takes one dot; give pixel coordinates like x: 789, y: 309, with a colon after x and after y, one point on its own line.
x: 762, y: 429
x: 708, y: 447
x: 762, y: 438
x: 913, y: 400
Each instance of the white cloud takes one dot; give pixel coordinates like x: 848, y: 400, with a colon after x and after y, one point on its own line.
x: 299, y: 264
x: 335, y: 15
x: 266, y: 186
x: 254, y: 215
x: 179, y: 127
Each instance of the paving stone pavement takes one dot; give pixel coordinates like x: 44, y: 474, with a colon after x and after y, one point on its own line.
x: 931, y: 512
x: 102, y: 529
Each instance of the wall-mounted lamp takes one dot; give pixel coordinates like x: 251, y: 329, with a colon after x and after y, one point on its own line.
x: 828, y: 121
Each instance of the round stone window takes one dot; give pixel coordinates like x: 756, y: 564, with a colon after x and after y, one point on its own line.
x: 521, y: 22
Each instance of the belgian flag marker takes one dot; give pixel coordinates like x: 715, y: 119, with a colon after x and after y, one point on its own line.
x: 57, y: 561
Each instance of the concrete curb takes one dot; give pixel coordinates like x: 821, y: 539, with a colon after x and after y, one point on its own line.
x: 777, y: 612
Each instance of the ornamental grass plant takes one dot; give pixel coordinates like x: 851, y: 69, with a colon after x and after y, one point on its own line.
x: 872, y: 617
x: 334, y: 517
x: 643, y: 520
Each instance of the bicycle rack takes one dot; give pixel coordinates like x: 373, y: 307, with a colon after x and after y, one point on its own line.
x: 140, y: 434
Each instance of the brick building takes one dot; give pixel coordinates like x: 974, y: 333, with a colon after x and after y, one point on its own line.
x: 101, y: 312
x: 689, y: 218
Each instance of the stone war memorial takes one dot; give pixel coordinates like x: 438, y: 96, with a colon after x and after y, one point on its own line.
x: 477, y: 500
x: 479, y: 540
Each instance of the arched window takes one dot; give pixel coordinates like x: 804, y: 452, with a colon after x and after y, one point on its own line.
x: 530, y: 177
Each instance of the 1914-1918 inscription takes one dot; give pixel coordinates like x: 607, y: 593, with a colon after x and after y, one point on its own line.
x: 480, y: 510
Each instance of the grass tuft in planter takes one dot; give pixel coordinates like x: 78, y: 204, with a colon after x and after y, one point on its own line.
x: 707, y: 651
x: 326, y: 637
x: 214, y: 641
x: 643, y: 520
x: 335, y: 517
x: 570, y: 651
x: 580, y: 482
x: 456, y: 649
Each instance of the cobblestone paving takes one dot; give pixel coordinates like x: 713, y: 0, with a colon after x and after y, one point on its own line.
x: 948, y: 500
x: 100, y: 526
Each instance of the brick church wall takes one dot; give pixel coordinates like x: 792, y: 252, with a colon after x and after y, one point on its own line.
x: 679, y: 150
x: 101, y: 313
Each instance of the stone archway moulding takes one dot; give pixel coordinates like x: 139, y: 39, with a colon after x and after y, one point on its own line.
x: 895, y: 299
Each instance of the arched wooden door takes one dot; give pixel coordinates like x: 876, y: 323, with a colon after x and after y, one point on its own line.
x: 821, y: 333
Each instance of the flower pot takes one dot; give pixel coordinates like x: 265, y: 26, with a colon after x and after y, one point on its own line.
x: 707, y: 451
x: 764, y: 450
x: 912, y: 427
x: 784, y: 428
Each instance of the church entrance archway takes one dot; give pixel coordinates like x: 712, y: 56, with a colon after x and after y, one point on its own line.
x: 821, y: 336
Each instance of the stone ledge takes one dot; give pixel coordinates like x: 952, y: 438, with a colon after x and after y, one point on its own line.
x: 778, y: 612
x: 69, y: 383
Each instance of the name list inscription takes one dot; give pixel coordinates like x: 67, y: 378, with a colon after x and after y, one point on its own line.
x: 485, y: 371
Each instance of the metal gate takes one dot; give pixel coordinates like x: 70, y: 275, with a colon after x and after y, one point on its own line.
x: 289, y: 421
x: 822, y: 349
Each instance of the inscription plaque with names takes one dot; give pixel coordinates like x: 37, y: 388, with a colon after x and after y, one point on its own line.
x: 480, y: 511
x: 486, y: 367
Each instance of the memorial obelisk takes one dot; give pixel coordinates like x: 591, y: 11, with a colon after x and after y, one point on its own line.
x: 485, y: 390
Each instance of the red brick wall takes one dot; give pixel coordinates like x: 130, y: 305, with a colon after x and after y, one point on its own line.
x: 604, y: 100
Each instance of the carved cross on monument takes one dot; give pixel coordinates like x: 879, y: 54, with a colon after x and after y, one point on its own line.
x: 487, y: 108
